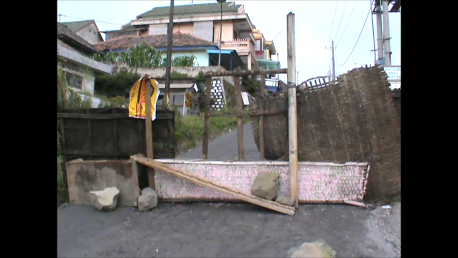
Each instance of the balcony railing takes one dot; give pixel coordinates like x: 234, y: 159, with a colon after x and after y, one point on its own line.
x: 240, y: 45
x: 237, y: 44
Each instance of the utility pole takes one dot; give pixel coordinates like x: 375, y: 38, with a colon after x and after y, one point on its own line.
x: 333, y: 63
x: 378, y: 16
x: 292, y: 107
x: 333, y: 71
x: 386, y: 34
x: 165, y: 103
x: 220, y: 30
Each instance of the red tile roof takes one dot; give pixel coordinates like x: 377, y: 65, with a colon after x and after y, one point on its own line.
x: 178, y: 40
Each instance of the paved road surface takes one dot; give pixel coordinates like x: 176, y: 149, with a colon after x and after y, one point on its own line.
x: 225, y: 147
x: 225, y: 230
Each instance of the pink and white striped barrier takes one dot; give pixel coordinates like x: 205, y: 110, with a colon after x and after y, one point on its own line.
x: 319, y: 182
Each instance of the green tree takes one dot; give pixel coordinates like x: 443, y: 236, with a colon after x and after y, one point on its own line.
x: 142, y: 56
x: 114, y: 85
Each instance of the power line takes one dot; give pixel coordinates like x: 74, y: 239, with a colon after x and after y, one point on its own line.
x: 335, y: 11
x: 335, y: 36
x: 89, y: 19
x: 302, y: 36
x: 347, y: 23
x: 359, y: 34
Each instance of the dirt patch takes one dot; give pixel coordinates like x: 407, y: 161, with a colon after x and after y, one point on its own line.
x: 225, y: 230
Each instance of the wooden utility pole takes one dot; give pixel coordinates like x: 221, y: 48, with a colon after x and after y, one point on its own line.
x: 165, y: 103
x: 239, y: 108
x: 149, y: 130
x: 262, y: 89
x: 208, y: 88
x: 292, y: 108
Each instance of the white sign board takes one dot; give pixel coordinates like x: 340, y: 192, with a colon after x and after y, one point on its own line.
x: 393, y: 72
x: 245, y: 99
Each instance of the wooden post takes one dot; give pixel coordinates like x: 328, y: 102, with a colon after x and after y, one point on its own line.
x: 208, y: 87
x: 64, y: 156
x: 149, y: 130
x: 262, y: 89
x: 292, y: 108
x: 115, y: 134
x: 239, y: 107
x: 89, y: 132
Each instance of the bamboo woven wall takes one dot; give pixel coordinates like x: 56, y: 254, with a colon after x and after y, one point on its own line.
x: 353, y: 120
x: 319, y: 182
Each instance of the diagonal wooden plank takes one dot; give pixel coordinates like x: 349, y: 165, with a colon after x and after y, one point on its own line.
x: 213, y: 185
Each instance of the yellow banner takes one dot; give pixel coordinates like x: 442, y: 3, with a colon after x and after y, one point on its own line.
x: 137, y: 104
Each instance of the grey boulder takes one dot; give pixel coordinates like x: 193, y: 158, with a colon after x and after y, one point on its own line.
x: 147, y: 200
x: 106, y: 199
x: 266, y: 185
x: 314, y: 249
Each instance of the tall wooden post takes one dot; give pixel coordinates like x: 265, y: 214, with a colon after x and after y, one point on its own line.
x: 262, y: 89
x: 292, y: 108
x: 239, y: 107
x: 208, y: 88
x: 149, y: 130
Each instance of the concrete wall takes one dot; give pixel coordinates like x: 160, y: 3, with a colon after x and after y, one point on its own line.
x: 184, y: 28
x: 115, y: 34
x: 204, y: 30
x: 156, y: 29
x: 90, y: 34
x: 228, y: 30
x: 159, y: 72
x: 81, y: 59
x: 85, y: 176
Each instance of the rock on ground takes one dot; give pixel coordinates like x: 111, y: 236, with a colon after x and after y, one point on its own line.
x: 266, y: 185
x: 314, y: 249
x: 106, y: 199
x: 147, y: 200
x: 286, y: 200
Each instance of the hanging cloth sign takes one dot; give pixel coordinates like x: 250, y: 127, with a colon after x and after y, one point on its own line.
x: 137, y: 103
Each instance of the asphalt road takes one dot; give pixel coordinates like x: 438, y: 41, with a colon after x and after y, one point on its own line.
x: 225, y: 230
x: 225, y: 147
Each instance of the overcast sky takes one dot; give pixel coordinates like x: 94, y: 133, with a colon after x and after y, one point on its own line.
x: 317, y: 23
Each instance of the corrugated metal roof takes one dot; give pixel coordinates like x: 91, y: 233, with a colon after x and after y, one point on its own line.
x: 76, y: 25
x: 213, y: 8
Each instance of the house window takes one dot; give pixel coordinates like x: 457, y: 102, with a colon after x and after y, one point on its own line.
x: 258, y: 46
x: 74, y: 80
